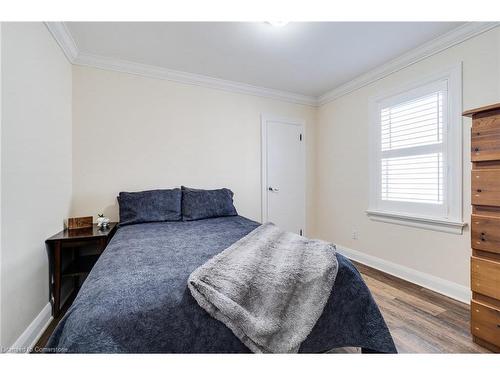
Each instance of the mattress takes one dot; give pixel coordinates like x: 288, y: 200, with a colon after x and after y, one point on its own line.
x: 136, y: 299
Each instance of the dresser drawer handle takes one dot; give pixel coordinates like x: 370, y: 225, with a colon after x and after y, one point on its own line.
x: 476, y: 149
x: 483, y: 238
x: 479, y: 190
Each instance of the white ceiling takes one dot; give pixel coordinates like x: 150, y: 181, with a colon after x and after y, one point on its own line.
x: 308, y: 58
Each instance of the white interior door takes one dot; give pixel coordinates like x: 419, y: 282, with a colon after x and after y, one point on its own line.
x: 283, y: 174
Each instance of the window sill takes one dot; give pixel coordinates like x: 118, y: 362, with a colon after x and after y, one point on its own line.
x: 447, y: 226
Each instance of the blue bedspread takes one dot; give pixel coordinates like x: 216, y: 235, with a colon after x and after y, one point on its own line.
x: 136, y: 299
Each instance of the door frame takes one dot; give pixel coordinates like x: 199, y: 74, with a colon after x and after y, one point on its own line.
x: 265, y: 118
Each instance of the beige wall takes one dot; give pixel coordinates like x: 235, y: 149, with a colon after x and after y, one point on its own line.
x: 36, y: 168
x: 342, y: 166
x: 135, y: 133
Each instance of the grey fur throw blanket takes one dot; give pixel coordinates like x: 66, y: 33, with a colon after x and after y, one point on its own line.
x: 269, y: 288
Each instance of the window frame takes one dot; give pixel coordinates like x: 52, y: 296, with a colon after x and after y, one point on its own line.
x: 422, y: 215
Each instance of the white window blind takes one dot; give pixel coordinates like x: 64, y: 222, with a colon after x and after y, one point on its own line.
x: 412, y: 149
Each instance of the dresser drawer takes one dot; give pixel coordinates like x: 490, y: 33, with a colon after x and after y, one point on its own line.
x: 485, y: 322
x: 485, y: 186
x: 485, y: 277
x: 486, y: 123
x: 485, y: 144
x: 485, y: 233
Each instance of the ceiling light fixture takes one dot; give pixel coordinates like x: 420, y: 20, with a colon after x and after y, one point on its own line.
x: 277, y: 24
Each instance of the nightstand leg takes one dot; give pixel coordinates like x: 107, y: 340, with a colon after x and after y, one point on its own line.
x: 104, y: 242
x: 57, y: 279
x: 76, y: 279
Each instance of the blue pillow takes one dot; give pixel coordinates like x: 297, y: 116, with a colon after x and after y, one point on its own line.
x: 203, y: 204
x: 149, y: 206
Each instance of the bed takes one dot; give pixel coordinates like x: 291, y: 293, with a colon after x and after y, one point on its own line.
x: 136, y: 299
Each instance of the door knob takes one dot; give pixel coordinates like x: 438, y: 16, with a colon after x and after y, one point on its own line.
x: 273, y: 189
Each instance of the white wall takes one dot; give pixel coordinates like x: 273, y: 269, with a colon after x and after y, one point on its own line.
x: 343, y: 160
x: 135, y: 133
x: 36, y: 168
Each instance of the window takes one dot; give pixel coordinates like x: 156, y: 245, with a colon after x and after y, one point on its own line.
x: 416, y: 155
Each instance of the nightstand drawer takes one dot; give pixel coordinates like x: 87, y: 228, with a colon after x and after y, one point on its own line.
x: 486, y: 187
x: 485, y: 277
x: 485, y: 322
x: 485, y: 233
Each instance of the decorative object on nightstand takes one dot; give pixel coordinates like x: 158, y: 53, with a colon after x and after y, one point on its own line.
x: 102, y: 221
x: 80, y: 222
x: 69, y: 242
x: 485, y: 226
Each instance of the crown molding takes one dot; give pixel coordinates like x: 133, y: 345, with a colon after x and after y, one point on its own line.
x: 63, y: 37
x: 450, y: 39
x: 102, y: 62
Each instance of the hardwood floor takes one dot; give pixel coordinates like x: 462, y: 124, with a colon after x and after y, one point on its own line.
x: 420, y: 320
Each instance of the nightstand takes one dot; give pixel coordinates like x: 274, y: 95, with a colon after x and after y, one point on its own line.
x: 69, y: 242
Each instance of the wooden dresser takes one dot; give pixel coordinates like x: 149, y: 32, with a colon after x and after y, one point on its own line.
x: 485, y: 226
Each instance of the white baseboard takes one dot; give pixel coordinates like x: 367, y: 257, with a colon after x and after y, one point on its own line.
x: 30, y: 336
x: 446, y: 287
